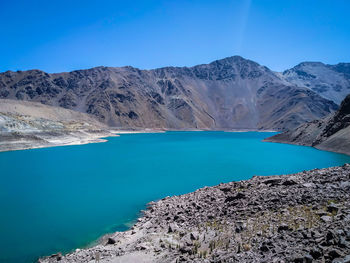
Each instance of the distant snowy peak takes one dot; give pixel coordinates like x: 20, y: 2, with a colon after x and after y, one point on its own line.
x: 330, y: 81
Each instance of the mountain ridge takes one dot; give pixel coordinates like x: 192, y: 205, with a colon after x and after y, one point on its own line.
x: 229, y: 93
x: 330, y: 81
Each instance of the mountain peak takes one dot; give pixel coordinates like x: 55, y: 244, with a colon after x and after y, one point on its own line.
x: 311, y: 63
x: 234, y: 60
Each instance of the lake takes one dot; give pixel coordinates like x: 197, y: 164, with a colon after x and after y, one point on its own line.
x: 61, y: 198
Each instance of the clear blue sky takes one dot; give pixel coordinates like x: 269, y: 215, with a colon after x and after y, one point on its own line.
x: 65, y: 35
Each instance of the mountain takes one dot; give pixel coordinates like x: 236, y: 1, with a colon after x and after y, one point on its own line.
x: 26, y: 125
x: 330, y: 81
x: 331, y: 133
x: 229, y: 93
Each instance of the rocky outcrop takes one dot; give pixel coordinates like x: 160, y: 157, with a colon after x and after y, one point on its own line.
x: 330, y: 81
x: 25, y: 125
x: 229, y: 93
x: 303, y: 217
x: 331, y: 133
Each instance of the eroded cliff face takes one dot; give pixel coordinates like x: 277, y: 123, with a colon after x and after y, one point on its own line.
x: 225, y: 94
x: 331, y: 133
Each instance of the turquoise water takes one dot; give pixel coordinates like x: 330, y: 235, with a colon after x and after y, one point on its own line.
x: 61, y: 198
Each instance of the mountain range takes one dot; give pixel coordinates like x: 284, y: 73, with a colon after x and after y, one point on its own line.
x: 329, y: 81
x: 231, y: 93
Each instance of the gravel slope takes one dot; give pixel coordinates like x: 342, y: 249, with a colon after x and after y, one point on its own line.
x: 25, y: 125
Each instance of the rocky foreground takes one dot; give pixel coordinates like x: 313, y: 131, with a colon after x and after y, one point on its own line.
x: 303, y: 217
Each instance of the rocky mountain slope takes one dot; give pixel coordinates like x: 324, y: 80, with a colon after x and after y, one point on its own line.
x: 331, y: 133
x: 330, y: 81
x: 303, y: 217
x: 228, y: 93
x: 26, y: 125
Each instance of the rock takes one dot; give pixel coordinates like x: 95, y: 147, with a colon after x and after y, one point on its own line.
x: 226, y: 189
x: 345, y: 185
x: 321, y: 213
x: 333, y: 254
x: 210, y: 217
x: 326, y: 219
x: 308, y: 258
x: 315, y: 253
x: 56, y: 257
x: 297, y: 258
x: 309, y: 185
x: 343, y: 243
x: 332, y: 208
x: 283, y: 227
x: 275, y: 181
x: 185, y: 249
x: 330, y: 237
x: 346, y: 259
x: 188, y: 239
x: 246, y: 247
x: 193, y: 236
x: 111, y: 241
x: 172, y: 228
x: 240, y: 226
x: 236, y: 197
x: 142, y: 247
x: 316, y: 234
x: 264, y: 248
x: 289, y: 182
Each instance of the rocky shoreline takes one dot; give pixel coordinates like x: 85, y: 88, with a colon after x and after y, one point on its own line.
x: 303, y: 217
x: 14, y: 142
x: 29, y: 125
x: 330, y: 134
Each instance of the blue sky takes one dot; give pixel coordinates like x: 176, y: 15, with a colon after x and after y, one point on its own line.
x: 64, y: 35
